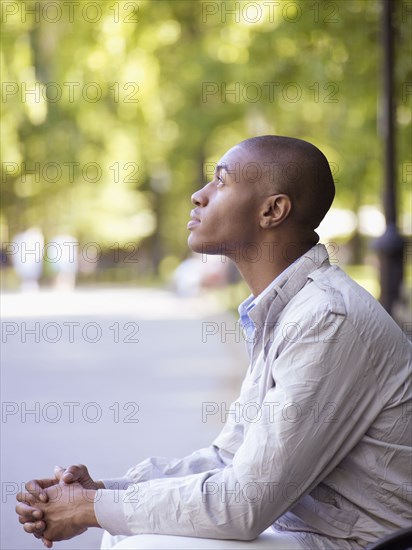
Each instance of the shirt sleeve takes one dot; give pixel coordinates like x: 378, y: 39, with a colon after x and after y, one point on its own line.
x: 322, y: 400
x: 117, y: 483
x: 161, y: 467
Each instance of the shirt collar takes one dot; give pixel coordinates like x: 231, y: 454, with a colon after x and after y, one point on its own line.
x: 284, y: 286
x: 251, y: 301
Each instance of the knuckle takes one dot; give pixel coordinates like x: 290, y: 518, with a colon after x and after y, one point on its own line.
x: 32, y: 484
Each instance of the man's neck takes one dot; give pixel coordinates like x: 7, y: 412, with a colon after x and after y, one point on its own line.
x: 271, y: 262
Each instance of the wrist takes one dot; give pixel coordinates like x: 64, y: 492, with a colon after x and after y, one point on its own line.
x: 85, y: 511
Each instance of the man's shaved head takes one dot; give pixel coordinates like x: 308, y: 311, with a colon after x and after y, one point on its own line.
x: 295, y: 168
x: 267, y: 190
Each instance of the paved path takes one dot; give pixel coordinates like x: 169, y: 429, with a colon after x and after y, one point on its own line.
x: 107, y: 378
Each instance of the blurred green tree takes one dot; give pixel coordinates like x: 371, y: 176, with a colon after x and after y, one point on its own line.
x: 113, y: 112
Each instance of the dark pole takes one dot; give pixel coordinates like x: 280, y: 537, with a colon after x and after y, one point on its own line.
x: 390, y: 245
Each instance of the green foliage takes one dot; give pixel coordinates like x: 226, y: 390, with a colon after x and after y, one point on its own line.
x: 306, y: 69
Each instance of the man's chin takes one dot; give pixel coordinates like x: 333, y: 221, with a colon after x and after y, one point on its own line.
x: 193, y: 244
x: 203, y: 247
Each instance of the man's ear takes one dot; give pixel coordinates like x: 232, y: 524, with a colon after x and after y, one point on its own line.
x: 275, y: 210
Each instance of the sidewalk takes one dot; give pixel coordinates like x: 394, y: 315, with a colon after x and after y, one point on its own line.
x: 107, y: 378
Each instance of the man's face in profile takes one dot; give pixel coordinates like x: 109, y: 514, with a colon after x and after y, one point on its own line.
x: 225, y: 216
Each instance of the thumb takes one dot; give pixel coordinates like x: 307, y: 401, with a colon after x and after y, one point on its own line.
x: 58, y: 472
x: 70, y: 476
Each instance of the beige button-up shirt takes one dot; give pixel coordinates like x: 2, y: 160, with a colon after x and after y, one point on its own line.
x: 318, y: 442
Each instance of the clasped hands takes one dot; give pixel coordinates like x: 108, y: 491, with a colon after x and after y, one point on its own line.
x: 59, y: 508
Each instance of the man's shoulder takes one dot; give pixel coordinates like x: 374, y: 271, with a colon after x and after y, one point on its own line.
x: 331, y: 288
x: 331, y: 291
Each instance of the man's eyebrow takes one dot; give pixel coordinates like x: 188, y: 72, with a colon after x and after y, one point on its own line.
x: 221, y: 166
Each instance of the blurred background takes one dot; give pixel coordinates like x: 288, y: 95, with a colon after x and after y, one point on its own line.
x: 113, y: 114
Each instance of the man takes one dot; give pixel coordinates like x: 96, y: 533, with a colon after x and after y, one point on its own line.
x: 325, y: 461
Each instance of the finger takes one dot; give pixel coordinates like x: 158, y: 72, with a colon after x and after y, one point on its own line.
x: 29, y: 527
x: 40, y: 527
x: 37, y: 487
x: 24, y: 510
x: 38, y: 534
x: 74, y: 473
x: 35, y: 528
x: 39, y: 484
x: 23, y: 520
x: 54, y: 493
x: 77, y: 472
x: 34, y: 516
x: 28, y: 513
x: 47, y: 543
x: 26, y: 498
x: 58, y: 472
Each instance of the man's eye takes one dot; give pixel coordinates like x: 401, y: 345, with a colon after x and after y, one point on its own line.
x: 220, y: 179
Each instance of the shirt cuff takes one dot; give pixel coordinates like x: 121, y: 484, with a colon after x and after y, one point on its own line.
x: 117, y: 483
x: 108, y: 509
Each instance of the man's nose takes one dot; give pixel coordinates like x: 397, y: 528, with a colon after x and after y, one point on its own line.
x: 199, y: 198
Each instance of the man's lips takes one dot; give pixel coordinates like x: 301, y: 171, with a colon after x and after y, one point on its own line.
x: 193, y: 223
x: 194, y: 220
